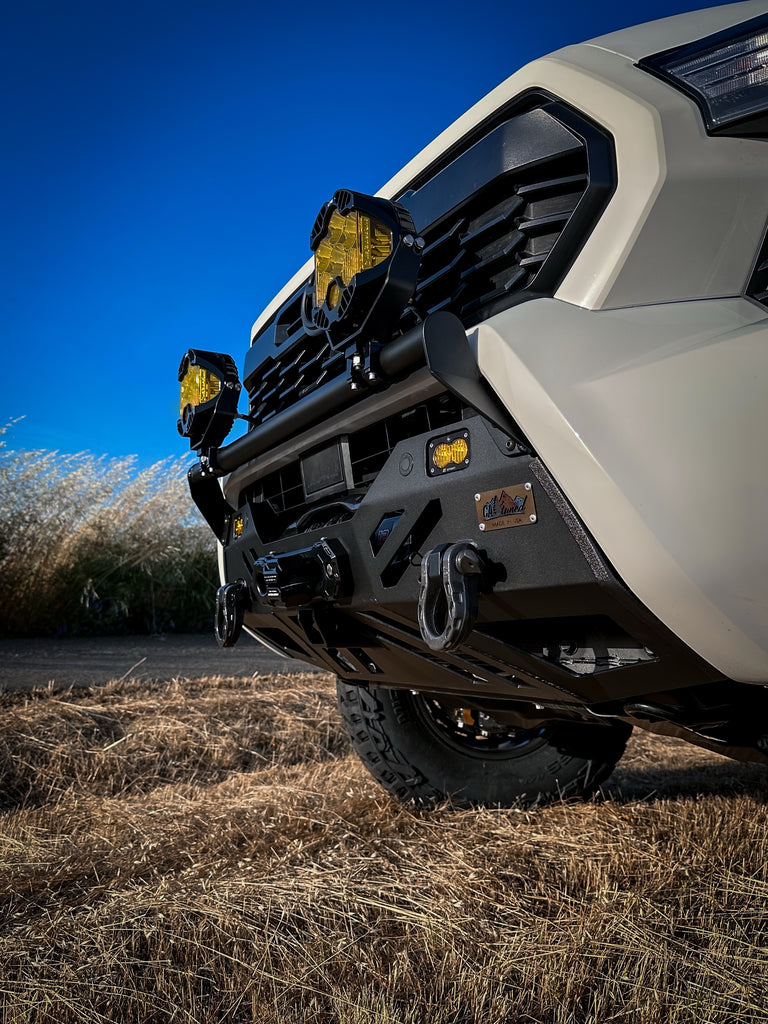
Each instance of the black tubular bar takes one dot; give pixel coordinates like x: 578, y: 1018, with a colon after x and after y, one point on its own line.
x: 395, y: 358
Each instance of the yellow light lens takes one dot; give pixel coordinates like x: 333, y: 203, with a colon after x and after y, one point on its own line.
x: 450, y: 454
x: 198, y: 386
x: 351, y: 244
x: 238, y: 524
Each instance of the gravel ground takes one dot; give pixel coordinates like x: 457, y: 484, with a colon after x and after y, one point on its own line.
x: 89, y: 661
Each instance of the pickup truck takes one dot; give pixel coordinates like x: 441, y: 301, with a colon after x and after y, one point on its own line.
x: 505, y: 469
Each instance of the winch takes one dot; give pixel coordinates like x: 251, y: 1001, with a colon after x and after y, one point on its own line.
x: 296, y: 578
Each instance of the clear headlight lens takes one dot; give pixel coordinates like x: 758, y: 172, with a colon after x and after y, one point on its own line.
x: 726, y: 74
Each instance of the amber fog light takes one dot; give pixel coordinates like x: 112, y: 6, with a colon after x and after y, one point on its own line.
x: 448, y: 453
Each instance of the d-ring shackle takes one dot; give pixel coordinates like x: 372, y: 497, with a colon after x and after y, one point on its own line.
x: 228, y: 616
x: 448, y: 593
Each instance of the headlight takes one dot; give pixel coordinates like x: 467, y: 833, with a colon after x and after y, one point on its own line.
x: 727, y: 75
x: 209, y: 391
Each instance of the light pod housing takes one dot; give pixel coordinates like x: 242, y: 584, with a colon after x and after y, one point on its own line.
x: 367, y: 257
x: 209, y: 392
x: 448, y: 454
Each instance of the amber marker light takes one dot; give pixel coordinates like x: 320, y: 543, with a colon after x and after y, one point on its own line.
x: 449, y: 453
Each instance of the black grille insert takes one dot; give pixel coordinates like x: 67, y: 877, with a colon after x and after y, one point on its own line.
x: 287, y: 377
x: 496, y: 245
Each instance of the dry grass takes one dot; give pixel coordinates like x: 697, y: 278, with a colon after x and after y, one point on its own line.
x: 210, y: 850
x: 94, y: 545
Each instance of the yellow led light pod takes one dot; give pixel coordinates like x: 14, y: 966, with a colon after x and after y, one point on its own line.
x: 208, y: 394
x: 449, y: 453
x: 367, y: 257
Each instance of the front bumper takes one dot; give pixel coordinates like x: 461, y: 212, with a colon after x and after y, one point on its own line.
x: 544, y: 583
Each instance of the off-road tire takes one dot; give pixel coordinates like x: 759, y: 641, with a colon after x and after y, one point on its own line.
x: 417, y: 762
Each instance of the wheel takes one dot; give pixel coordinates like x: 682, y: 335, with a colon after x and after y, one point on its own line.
x: 423, y: 751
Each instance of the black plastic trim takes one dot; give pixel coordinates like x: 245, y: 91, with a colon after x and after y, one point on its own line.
x: 518, y: 144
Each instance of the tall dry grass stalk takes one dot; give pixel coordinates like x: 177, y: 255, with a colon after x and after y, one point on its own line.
x: 91, y: 544
x: 210, y: 851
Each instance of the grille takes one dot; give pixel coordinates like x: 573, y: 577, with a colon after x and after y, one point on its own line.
x: 496, y: 246
x: 285, y: 379
x: 502, y: 218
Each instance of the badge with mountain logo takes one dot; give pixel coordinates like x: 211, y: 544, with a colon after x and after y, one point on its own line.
x: 505, y: 507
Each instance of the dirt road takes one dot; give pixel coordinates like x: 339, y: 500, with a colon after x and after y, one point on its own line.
x: 89, y: 661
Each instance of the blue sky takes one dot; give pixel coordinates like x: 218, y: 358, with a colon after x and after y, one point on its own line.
x: 163, y: 163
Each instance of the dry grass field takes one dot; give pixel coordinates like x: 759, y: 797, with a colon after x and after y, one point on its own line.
x: 209, y: 850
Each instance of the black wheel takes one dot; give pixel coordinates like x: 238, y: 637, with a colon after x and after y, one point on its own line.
x: 424, y: 750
